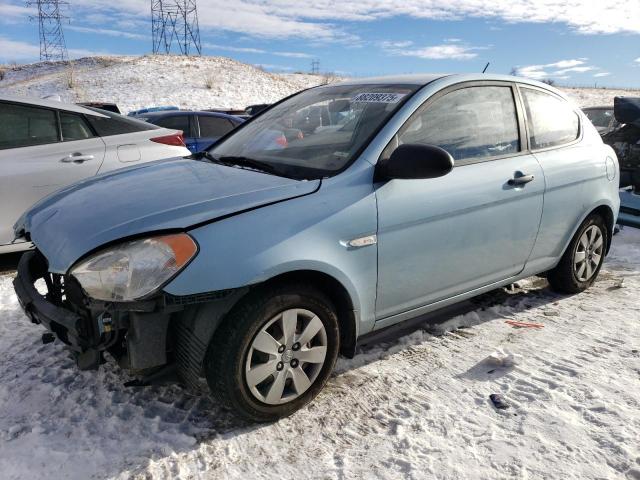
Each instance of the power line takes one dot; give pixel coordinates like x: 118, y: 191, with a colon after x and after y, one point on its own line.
x: 175, y: 21
x: 315, y: 67
x: 52, y: 44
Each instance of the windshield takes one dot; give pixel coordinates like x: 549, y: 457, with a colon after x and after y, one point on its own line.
x: 316, y: 133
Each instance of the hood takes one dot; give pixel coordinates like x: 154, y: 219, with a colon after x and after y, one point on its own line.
x: 172, y: 194
x: 627, y: 110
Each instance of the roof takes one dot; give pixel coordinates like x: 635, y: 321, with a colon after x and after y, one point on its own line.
x: 412, y: 79
x: 425, y: 78
x: 40, y: 102
x: 172, y: 113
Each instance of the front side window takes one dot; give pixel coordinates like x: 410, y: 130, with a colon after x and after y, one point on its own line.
x: 74, y: 127
x: 469, y: 123
x: 24, y: 126
x: 552, y: 121
x: 318, y: 132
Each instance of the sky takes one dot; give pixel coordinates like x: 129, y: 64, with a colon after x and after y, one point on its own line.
x: 574, y: 42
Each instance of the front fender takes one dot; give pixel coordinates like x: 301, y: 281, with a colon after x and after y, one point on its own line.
x: 305, y: 233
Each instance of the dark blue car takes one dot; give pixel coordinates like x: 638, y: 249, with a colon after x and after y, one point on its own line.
x: 200, y: 129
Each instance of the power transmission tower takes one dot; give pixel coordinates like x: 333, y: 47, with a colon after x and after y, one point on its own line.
x: 52, y: 45
x: 175, y: 20
x: 315, y: 67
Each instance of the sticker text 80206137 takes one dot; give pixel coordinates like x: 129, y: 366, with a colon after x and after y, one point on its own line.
x: 378, y: 98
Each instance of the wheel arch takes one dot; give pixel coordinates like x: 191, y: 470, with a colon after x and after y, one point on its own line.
x: 605, y: 210
x: 194, y: 328
x: 337, y: 292
x: 606, y: 213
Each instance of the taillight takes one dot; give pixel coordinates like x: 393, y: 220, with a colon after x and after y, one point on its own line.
x: 175, y: 139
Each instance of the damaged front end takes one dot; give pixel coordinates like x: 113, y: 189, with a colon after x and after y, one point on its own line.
x: 135, y: 333
x: 162, y: 337
x: 625, y: 140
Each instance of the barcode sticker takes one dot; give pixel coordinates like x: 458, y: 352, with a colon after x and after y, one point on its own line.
x: 378, y: 97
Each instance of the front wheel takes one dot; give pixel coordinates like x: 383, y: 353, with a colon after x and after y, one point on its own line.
x: 582, y: 260
x: 274, y: 352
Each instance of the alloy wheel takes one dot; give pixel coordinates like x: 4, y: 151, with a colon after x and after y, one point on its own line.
x: 588, y: 253
x: 286, y: 356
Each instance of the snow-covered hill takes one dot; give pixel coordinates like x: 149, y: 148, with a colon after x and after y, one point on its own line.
x: 137, y: 82
x: 187, y: 82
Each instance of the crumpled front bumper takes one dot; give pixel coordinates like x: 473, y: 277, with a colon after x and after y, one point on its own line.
x: 70, y: 327
x: 135, y: 333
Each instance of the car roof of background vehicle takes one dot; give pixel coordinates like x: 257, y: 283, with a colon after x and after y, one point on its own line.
x: 175, y: 113
x: 40, y: 102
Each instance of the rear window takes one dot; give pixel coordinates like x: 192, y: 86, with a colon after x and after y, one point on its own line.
x: 116, y: 124
x: 214, y: 126
x: 23, y: 126
x: 552, y: 121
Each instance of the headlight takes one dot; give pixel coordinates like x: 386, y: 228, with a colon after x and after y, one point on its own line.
x: 134, y: 269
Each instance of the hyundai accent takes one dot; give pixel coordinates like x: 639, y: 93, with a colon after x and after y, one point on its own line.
x: 338, y: 211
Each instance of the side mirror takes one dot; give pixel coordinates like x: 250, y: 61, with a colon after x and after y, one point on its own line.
x: 414, y: 161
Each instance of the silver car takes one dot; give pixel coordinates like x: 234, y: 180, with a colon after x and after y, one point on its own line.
x: 46, y: 145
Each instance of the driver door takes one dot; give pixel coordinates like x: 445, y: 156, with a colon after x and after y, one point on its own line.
x: 441, y: 237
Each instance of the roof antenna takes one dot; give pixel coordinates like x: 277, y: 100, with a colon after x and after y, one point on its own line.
x: 485, y: 67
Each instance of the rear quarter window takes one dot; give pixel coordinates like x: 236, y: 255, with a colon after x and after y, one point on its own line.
x: 74, y: 127
x: 116, y: 124
x: 552, y: 120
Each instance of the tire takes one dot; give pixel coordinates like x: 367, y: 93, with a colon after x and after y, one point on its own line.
x: 569, y: 276
x: 237, y: 358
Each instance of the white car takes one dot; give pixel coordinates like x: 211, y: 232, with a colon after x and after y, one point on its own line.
x: 46, y: 145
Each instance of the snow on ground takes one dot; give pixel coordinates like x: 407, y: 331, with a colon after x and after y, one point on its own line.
x: 187, y: 82
x: 410, y: 407
x: 598, y: 97
x: 138, y: 82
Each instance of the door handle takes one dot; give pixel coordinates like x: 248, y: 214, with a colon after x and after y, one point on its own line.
x: 76, y: 158
x: 520, y: 180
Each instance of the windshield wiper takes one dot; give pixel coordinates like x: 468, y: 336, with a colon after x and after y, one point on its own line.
x: 248, y: 162
x: 239, y: 161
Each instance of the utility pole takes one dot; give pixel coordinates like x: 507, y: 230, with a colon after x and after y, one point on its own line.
x: 315, y: 67
x: 52, y: 44
x: 175, y: 21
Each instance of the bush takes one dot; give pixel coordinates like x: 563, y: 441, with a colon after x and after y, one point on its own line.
x: 2, y: 73
x: 209, y: 82
x: 71, y: 79
x: 549, y: 81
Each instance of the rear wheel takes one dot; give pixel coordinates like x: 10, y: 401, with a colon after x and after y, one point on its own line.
x: 274, y: 352
x: 583, y: 259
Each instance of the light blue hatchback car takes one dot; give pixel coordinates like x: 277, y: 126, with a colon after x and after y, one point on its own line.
x: 340, y: 210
